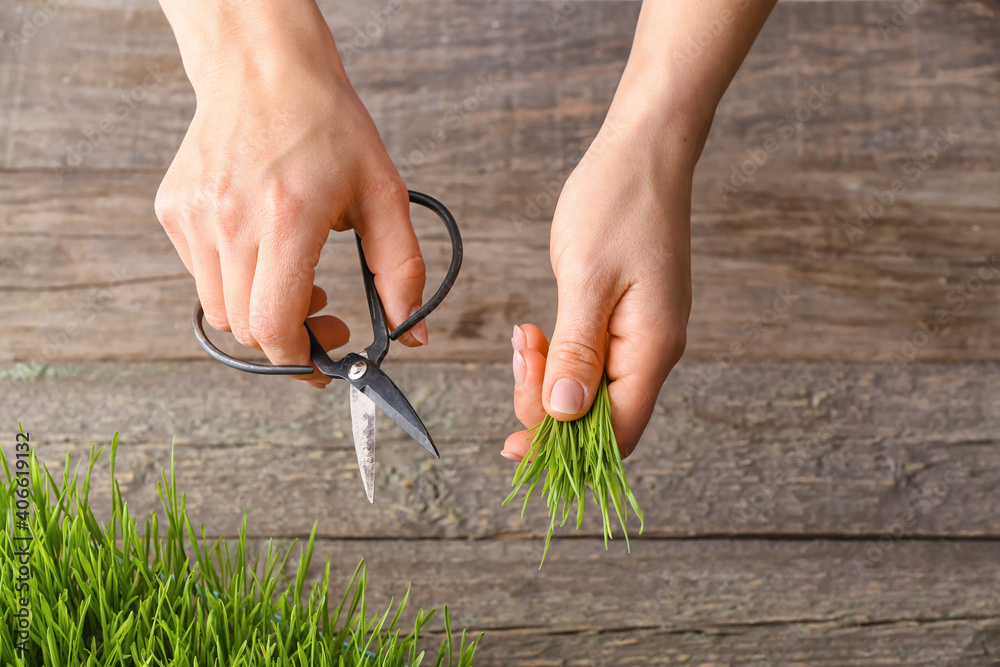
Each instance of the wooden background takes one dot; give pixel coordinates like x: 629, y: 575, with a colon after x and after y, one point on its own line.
x: 812, y: 504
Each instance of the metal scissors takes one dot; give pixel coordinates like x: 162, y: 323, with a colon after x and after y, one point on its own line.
x: 370, y: 386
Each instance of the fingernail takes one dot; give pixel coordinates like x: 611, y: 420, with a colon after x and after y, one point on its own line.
x: 520, y: 370
x: 567, y: 396
x: 518, y: 341
x: 419, y: 330
x: 511, y: 457
x: 317, y: 385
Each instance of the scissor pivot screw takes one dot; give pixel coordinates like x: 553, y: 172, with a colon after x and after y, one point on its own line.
x: 357, y: 370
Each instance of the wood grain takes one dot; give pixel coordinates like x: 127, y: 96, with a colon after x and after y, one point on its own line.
x: 94, y: 245
x: 889, y: 93
x: 700, y: 601
x: 799, y: 510
x: 882, y: 100
x: 817, y: 449
x: 956, y: 643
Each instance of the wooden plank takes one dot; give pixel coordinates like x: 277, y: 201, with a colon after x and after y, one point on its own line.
x: 813, y: 449
x: 90, y: 257
x: 938, y: 69
x: 967, y: 643
x: 715, y: 602
x: 66, y: 236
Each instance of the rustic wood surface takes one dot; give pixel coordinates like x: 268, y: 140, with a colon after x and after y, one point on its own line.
x: 720, y: 601
x: 829, y: 498
x: 819, y: 449
x: 885, y: 100
x: 99, y: 269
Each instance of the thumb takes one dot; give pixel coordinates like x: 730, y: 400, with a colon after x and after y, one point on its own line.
x: 575, y: 363
x: 393, y: 255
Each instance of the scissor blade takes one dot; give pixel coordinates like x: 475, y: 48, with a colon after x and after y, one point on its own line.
x: 379, y: 388
x: 363, y: 421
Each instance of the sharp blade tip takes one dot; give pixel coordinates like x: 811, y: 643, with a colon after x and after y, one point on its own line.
x: 369, y: 480
x: 428, y: 444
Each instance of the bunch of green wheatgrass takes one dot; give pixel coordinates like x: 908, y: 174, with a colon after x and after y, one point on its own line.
x: 573, y: 457
x: 114, y: 596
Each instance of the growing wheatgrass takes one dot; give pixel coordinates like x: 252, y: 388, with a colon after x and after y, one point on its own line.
x: 112, y: 596
x: 573, y: 457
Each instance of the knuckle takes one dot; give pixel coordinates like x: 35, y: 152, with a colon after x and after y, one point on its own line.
x: 388, y: 190
x: 216, y: 319
x: 242, y: 334
x: 575, y: 354
x: 225, y: 211
x: 165, y: 208
x: 266, y: 330
x: 281, y: 205
x: 411, y: 269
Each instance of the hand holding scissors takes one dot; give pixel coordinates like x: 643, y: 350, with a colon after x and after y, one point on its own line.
x: 370, y: 386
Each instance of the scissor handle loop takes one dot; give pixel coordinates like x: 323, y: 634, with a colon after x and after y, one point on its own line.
x: 239, y: 364
x: 456, y: 262
x: 197, y: 321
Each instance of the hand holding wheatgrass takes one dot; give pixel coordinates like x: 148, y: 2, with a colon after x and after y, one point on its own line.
x: 620, y: 243
x: 280, y: 151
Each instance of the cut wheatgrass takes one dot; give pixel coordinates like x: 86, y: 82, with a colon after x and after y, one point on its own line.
x: 573, y: 457
x: 119, y: 595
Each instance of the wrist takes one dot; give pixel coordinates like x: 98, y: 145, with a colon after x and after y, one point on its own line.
x: 672, y: 133
x: 221, y: 42
x: 668, y: 110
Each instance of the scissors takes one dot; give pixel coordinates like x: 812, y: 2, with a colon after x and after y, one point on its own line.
x: 370, y: 386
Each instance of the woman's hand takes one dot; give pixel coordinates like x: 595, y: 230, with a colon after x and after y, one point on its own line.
x: 621, y: 230
x: 620, y: 249
x: 280, y: 151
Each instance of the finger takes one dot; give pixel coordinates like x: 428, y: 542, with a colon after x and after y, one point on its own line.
x: 517, y: 446
x: 575, y: 362
x: 317, y: 301
x: 641, y: 354
x: 183, y: 249
x: 530, y: 346
x: 208, y: 278
x: 331, y: 332
x: 393, y: 255
x: 279, y: 300
x: 529, y: 373
x: 170, y: 220
x: 528, y: 335
x: 238, y: 262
